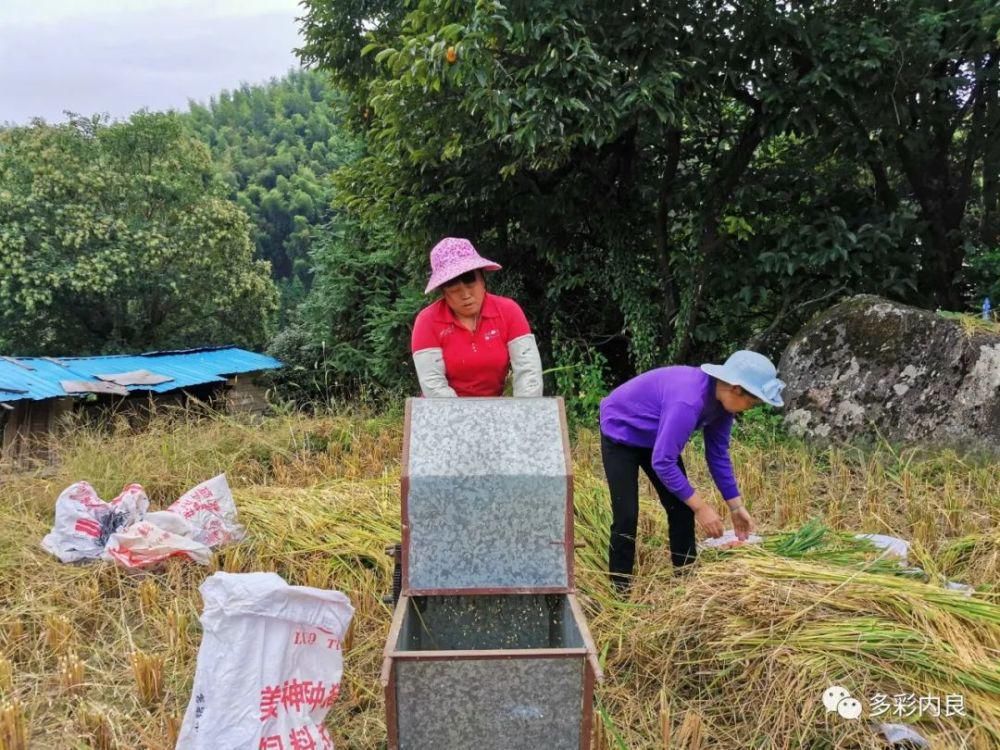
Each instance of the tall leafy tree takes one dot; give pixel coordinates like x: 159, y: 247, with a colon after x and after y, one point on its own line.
x: 913, y: 90
x: 666, y: 180
x: 119, y: 237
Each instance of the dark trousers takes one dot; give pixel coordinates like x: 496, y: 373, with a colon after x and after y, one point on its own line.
x: 621, y: 467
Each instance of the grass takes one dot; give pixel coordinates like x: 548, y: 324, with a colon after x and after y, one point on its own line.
x: 972, y: 323
x: 734, y: 654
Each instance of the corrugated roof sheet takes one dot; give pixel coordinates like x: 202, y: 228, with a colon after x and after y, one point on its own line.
x: 38, y: 378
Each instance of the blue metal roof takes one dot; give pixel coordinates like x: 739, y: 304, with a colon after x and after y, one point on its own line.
x: 37, y: 378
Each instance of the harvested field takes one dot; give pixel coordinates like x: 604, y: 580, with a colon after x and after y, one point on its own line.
x: 735, y: 654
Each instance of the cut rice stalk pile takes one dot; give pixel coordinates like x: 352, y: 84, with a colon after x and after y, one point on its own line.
x: 751, y: 642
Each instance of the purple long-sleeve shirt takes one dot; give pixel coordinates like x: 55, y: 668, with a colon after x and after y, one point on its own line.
x: 661, y: 409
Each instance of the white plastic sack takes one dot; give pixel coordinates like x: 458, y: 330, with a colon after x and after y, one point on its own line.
x: 145, y: 543
x: 210, y: 509
x: 86, y: 527
x: 269, y: 667
x: 84, y: 522
x: 963, y: 587
x: 729, y: 540
x: 170, y: 521
x: 891, y: 546
x: 901, y: 734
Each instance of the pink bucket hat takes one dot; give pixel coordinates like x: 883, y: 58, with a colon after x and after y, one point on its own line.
x: 452, y: 257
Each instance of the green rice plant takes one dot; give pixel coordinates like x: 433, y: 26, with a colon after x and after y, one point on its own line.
x: 971, y: 323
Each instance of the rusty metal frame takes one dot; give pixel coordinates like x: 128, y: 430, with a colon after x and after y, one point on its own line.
x: 488, y: 591
x: 404, y: 493
x: 588, y: 640
x: 388, y: 677
x: 391, y: 712
x: 496, y: 654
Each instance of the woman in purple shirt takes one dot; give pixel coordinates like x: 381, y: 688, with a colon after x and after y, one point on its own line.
x: 647, y: 421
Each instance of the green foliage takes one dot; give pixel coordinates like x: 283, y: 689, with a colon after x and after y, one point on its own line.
x: 984, y: 273
x: 358, y: 315
x: 761, y: 426
x: 671, y: 180
x: 118, y: 237
x: 580, y: 378
x: 276, y: 145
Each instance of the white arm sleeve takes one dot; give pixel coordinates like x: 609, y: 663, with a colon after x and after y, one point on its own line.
x: 429, y: 364
x: 527, y: 366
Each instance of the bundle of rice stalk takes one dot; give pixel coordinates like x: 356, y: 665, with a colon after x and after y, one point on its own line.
x: 816, y: 542
x: 751, y: 644
x: 972, y: 559
x: 14, y: 732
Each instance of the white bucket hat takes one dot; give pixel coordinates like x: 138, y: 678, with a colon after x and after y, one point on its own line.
x: 753, y: 373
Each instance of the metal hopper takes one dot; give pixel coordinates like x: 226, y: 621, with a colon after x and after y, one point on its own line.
x: 489, y: 648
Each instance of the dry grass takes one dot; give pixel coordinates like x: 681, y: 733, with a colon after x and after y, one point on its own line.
x: 973, y: 323
x: 14, y: 730
x: 733, y: 655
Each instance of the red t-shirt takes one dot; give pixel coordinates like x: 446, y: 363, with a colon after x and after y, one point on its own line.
x: 475, y: 362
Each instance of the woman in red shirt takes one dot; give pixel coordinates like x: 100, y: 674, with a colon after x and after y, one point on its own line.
x: 465, y: 343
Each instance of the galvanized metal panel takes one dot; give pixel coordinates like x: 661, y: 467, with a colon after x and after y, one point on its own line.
x: 487, y: 532
x: 509, y: 621
x: 135, y: 377
x: 483, y: 437
x: 487, y: 496
x: 490, y: 704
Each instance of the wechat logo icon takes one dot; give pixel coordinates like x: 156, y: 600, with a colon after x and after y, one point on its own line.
x: 836, y: 698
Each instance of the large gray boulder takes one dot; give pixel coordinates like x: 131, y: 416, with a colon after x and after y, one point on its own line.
x: 869, y: 367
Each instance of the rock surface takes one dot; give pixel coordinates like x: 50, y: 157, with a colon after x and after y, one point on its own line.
x: 869, y: 367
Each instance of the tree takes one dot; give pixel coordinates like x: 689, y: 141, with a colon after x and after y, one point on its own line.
x: 677, y: 178
x: 118, y: 237
x: 914, y: 89
x: 278, y: 143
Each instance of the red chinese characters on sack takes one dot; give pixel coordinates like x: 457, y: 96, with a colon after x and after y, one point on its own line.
x: 324, y: 737
x: 315, y: 737
x: 194, y: 507
x: 84, y: 494
x: 209, y: 507
x: 302, y: 739
x: 293, y: 695
x: 270, y: 699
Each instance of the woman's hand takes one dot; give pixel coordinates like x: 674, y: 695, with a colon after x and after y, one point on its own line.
x: 706, y: 516
x: 743, y: 523
x: 709, y: 520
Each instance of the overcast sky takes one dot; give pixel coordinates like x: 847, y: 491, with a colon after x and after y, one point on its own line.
x: 117, y: 56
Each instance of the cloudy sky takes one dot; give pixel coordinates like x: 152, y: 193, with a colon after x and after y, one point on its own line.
x: 117, y: 56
